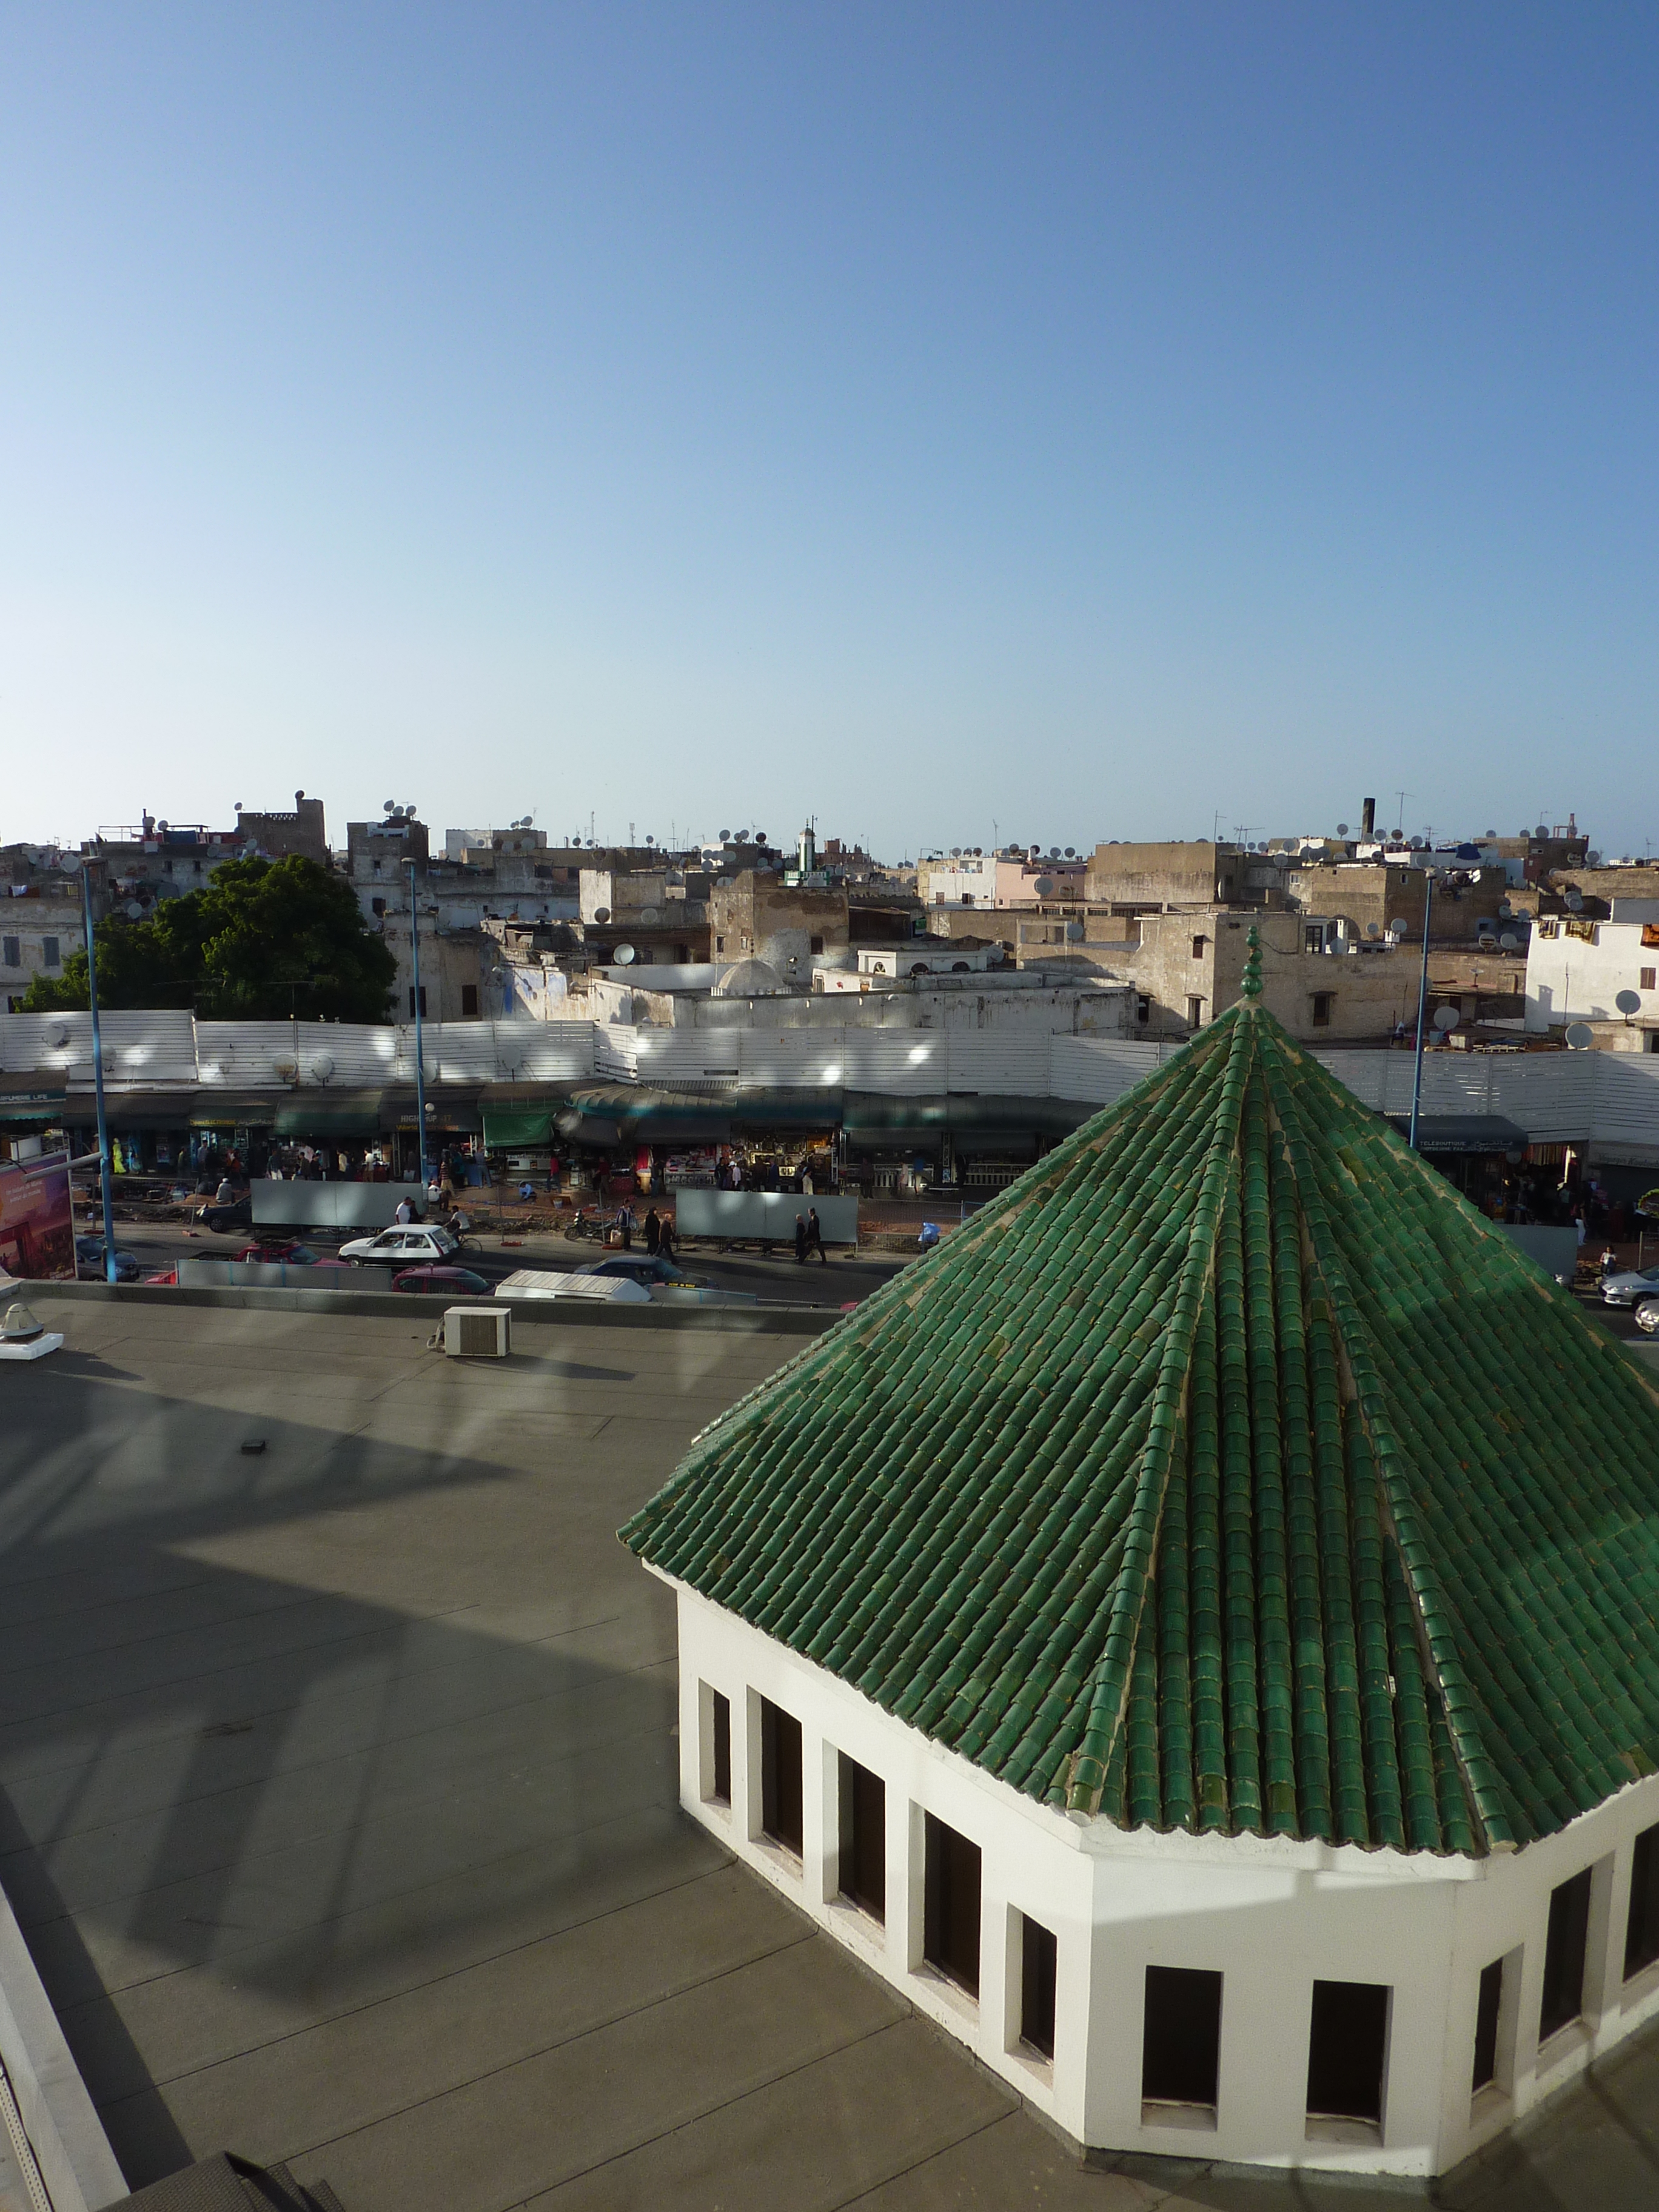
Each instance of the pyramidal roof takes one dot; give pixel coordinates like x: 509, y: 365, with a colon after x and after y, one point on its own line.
x: 1228, y: 1474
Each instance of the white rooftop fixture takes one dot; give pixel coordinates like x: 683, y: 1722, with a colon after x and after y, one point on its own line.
x: 478, y: 1332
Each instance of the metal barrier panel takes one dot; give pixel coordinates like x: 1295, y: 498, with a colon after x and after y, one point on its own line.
x: 762, y: 1213
x: 331, y: 1205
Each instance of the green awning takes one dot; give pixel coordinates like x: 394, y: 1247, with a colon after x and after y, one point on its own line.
x: 511, y: 1128
x: 316, y: 1114
x: 39, y: 1106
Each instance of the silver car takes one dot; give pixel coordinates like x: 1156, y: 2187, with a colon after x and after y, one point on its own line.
x: 1630, y: 1289
x: 408, y: 1245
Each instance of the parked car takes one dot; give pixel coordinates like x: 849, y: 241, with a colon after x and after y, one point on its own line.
x: 404, y: 1246
x: 645, y: 1267
x: 296, y: 1254
x: 239, y: 1214
x: 444, y: 1282
x: 89, y: 1255
x: 1629, y: 1289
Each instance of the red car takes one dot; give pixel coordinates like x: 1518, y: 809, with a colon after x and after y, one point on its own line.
x: 443, y: 1282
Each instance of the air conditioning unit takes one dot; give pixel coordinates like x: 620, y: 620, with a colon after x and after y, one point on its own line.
x: 478, y: 1332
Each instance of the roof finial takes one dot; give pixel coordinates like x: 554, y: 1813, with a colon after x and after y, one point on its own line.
x: 1250, y: 984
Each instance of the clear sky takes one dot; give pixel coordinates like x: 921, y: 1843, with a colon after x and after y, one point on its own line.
x: 958, y: 422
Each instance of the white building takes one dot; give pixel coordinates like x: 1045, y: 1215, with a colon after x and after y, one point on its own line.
x: 1577, y: 967
x: 1172, y: 1637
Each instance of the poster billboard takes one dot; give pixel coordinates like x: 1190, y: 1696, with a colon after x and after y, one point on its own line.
x: 37, y: 1231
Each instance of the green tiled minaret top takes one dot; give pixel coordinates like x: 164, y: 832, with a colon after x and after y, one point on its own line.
x: 1229, y: 1473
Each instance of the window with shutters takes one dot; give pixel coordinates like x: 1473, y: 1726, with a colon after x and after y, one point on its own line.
x: 1648, y: 976
x: 13, y: 951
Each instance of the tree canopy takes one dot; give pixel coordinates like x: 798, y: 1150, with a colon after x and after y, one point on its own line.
x: 263, y: 940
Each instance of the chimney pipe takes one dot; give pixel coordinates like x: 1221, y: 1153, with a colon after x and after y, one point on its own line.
x: 1368, y: 818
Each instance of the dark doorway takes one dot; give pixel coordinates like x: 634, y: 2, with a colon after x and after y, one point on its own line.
x: 1039, y: 1960
x: 1563, y: 1999
x: 1346, y: 2046
x: 863, y: 1838
x: 780, y: 1784
x: 1642, y: 1928
x: 1181, y: 2037
x: 950, y: 1919
x: 1486, y: 2023
x: 720, y: 1708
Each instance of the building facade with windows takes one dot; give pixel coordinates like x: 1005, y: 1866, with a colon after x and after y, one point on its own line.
x: 1194, y: 1636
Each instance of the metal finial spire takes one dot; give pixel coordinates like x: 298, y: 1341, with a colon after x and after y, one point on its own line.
x: 1250, y: 984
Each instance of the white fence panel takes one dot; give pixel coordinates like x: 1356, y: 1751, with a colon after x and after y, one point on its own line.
x: 1095, y: 1073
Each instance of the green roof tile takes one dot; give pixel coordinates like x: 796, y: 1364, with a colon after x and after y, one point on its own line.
x: 1228, y: 1473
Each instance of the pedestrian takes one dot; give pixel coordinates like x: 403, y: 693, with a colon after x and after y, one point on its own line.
x: 665, y: 1237
x: 815, y: 1235
x: 652, y: 1232
x: 800, y: 1242
x: 405, y: 1211
x: 625, y: 1225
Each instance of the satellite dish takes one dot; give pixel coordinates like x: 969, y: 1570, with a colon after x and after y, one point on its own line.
x: 1542, y: 830
x: 132, y: 910
x: 725, y: 836
x: 1593, y: 860
x: 1054, y: 852
x: 1070, y: 853
x: 625, y: 955
x: 388, y: 806
x: 1043, y: 886
x: 1342, y: 829
x: 1580, y: 1037
x: 1575, y: 902
x: 323, y: 1067
x: 1372, y: 930
x: 955, y: 852
x: 1508, y: 941
x: 286, y: 1066
x: 1417, y: 844
x: 649, y: 917
x: 1398, y: 927
x: 1446, y: 1019
x: 1504, y: 910
x: 601, y: 913
x: 1629, y: 1002
x: 1075, y: 933
x: 57, y: 1036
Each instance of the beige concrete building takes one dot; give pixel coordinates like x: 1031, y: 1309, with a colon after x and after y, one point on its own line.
x: 280, y: 834
x: 1188, y: 967
x: 758, y: 916
x: 1183, y: 873
x: 1371, y: 895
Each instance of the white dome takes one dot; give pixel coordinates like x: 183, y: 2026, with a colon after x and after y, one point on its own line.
x: 751, y: 979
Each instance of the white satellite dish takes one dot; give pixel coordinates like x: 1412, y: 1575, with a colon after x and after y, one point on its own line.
x: 57, y: 1036
x: 625, y: 955
x: 1579, y: 1036
x: 323, y: 1067
x: 132, y: 910
x: 286, y: 1066
x: 1446, y: 1019
x: 1629, y: 1002
x: 1509, y: 941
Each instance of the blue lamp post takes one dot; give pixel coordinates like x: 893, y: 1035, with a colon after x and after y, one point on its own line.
x: 1422, y: 1002
x: 420, y: 1053
x: 98, y: 1077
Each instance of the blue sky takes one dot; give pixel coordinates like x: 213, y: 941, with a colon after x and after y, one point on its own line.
x: 1041, y: 422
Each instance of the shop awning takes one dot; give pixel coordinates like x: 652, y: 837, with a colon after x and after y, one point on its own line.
x: 1463, y: 1132
x: 305, y: 1115
x: 512, y: 1129
x: 448, y: 1112
x: 232, y: 1110
x: 611, y: 1114
x: 871, y: 1115
x: 28, y: 1099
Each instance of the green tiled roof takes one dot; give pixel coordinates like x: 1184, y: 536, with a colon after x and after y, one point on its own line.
x: 1228, y: 1473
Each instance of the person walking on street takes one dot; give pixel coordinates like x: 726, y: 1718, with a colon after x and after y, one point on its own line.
x: 405, y: 1211
x: 652, y: 1232
x: 800, y: 1242
x: 815, y: 1235
x: 625, y: 1225
x: 665, y: 1237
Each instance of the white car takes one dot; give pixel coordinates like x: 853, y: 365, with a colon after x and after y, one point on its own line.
x: 405, y: 1246
x: 1628, y: 1288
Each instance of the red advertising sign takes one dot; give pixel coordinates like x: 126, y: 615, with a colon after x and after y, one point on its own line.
x: 37, y: 1231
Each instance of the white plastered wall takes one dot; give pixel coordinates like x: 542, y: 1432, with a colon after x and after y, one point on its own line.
x: 1272, y: 1915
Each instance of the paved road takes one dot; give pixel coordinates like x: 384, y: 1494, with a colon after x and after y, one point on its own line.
x: 777, y: 1279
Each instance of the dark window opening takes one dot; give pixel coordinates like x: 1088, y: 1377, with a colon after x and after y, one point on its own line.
x: 1196, y: 1013
x: 721, y: 1718
x: 863, y: 1811
x: 1322, y: 1009
x: 818, y: 944
x: 411, y: 1002
x: 1563, y: 1956
x: 49, y: 952
x: 1039, y: 1960
x: 377, y: 905
x: 1486, y: 2023
x: 1143, y: 1009
x: 1313, y: 941
x: 719, y: 945
x: 469, y: 1001
x: 1198, y: 948
x: 1346, y: 2046
x: 14, y: 952
x: 1181, y: 2037
x: 1642, y: 1928
x: 683, y: 954
x: 781, y: 1789
x: 950, y: 1919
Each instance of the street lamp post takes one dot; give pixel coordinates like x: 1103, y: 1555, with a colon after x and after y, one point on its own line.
x: 98, y: 1081
x: 1422, y: 1002
x: 419, y: 1053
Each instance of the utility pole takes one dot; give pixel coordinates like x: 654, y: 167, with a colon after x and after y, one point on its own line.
x: 1422, y: 1002
x: 420, y: 1052
x: 97, y: 1085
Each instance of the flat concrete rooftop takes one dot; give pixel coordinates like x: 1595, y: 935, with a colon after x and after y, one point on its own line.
x: 339, y: 1805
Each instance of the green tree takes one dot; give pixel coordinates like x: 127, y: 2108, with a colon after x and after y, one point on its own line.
x: 264, y: 939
